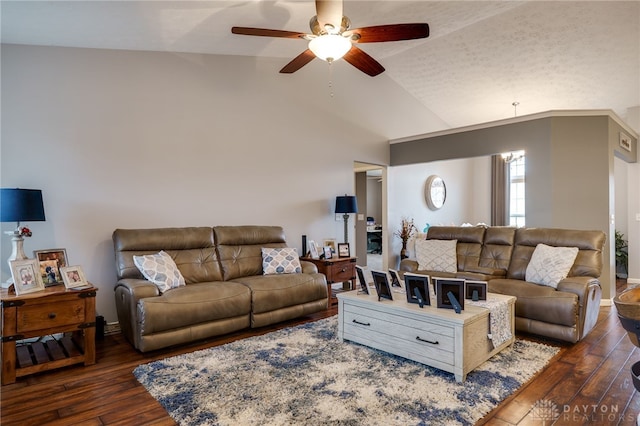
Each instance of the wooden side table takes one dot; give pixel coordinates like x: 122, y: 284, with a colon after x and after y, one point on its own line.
x: 337, y: 270
x: 51, y: 311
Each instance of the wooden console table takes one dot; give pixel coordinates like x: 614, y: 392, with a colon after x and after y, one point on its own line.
x: 54, y: 310
x: 337, y: 270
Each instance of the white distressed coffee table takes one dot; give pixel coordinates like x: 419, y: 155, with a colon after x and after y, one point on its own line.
x: 440, y: 338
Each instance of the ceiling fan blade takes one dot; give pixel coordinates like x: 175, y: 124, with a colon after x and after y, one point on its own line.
x: 394, y: 32
x: 365, y: 63
x: 266, y: 33
x: 298, y: 62
x: 329, y: 12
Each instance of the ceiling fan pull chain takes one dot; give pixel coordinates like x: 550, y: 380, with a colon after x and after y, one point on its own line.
x: 331, y: 78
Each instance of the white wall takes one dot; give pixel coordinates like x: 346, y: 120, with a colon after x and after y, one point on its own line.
x: 122, y: 139
x: 621, y: 194
x: 633, y: 225
x: 621, y: 199
x: 633, y: 190
x: 468, y: 183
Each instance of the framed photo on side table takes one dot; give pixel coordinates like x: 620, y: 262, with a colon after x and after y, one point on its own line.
x: 327, y: 252
x: 73, y: 277
x: 26, y: 276
x: 331, y: 243
x: 343, y: 250
x: 313, y: 249
x: 51, y: 260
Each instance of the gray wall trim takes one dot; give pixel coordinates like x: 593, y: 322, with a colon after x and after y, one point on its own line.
x: 569, y: 168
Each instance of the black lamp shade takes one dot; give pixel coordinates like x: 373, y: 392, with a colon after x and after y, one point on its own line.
x: 21, y: 205
x: 346, y: 204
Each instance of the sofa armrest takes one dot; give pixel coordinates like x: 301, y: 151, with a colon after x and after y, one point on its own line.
x: 308, y: 267
x: 408, y: 265
x: 589, y: 295
x: 579, y: 286
x: 138, y: 288
x: 128, y: 292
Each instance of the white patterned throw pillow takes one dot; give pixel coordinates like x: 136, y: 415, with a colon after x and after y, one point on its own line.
x: 160, y: 269
x: 280, y: 261
x: 437, y: 255
x: 549, y: 265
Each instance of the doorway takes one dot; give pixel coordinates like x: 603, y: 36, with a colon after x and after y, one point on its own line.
x: 370, y: 230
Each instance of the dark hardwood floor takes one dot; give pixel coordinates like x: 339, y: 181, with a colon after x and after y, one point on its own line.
x: 589, y: 383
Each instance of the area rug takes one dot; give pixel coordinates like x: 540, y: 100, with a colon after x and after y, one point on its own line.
x: 305, y: 376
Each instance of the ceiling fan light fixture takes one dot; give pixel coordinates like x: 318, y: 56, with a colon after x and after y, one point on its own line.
x: 330, y: 47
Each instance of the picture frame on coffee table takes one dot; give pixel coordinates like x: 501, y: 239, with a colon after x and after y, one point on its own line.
x: 433, y: 280
x: 381, y: 281
x: 395, y: 278
x: 480, y: 286
x: 446, y: 285
x: 420, y: 282
x: 362, y: 280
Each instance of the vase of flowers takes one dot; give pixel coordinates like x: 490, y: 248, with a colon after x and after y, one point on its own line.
x: 407, y: 229
x: 24, y: 231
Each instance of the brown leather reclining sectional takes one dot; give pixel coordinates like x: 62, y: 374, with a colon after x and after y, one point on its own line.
x: 226, y: 290
x: 500, y: 255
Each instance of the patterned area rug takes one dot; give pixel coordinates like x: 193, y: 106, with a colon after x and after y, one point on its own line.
x: 305, y: 376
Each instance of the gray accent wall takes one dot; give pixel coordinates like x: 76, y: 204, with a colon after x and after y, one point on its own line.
x: 569, y: 168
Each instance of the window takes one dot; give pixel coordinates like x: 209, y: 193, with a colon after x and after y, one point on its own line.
x: 516, y: 163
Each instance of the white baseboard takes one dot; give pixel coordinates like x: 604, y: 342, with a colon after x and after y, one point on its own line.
x: 633, y: 282
x: 605, y: 302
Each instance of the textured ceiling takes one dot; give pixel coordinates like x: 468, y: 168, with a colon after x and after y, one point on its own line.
x: 478, y: 60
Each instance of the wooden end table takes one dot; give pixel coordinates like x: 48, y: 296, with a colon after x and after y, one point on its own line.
x: 337, y: 270
x: 54, y: 310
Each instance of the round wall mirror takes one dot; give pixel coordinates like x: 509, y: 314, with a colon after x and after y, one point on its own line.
x: 435, y: 192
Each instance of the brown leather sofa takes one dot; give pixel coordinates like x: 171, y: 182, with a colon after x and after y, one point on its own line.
x: 500, y: 255
x: 225, y: 287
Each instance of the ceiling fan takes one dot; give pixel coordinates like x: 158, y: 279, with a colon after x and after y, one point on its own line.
x: 332, y: 38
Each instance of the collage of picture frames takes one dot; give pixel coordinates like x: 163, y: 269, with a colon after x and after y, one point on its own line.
x: 48, y: 268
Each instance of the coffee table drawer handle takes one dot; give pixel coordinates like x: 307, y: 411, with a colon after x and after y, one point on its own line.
x: 427, y: 341
x: 362, y: 323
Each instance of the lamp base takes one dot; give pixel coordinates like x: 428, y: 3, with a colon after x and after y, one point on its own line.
x: 346, y: 227
x: 17, y: 253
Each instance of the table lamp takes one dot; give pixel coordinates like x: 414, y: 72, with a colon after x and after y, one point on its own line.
x: 346, y: 204
x: 20, y: 205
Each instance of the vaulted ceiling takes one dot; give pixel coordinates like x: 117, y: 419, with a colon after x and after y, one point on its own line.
x: 479, y: 58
